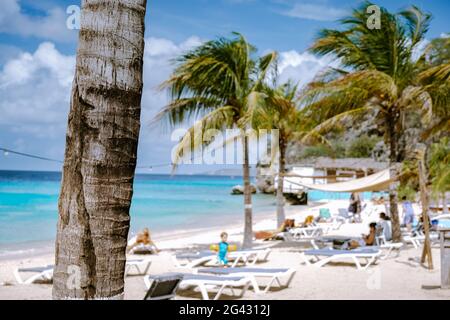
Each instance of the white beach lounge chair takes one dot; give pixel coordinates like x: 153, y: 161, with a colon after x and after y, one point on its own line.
x: 253, y: 255
x: 381, y: 244
x: 143, y: 249
x: 246, y: 257
x: 192, y: 260
x: 308, y: 232
x: 418, y: 239
x: 384, y: 244
x: 344, y: 215
x: 274, y: 275
x: 41, y: 275
x: 141, y: 266
x: 390, y: 247
x: 207, y: 283
x: 324, y: 256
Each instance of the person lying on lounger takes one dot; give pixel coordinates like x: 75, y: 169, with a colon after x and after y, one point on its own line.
x: 271, y: 235
x: 143, y: 238
x: 366, y: 240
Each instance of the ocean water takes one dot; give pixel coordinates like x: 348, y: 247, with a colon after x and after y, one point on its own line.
x: 28, y: 204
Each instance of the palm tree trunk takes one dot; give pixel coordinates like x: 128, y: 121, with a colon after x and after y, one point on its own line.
x: 248, y: 224
x: 392, y: 138
x: 281, y: 217
x: 101, y: 151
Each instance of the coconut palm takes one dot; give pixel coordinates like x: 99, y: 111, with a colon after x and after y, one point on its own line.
x: 435, y: 81
x: 378, y: 71
x: 101, y: 152
x: 212, y: 84
x: 276, y: 109
x: 440, y: 169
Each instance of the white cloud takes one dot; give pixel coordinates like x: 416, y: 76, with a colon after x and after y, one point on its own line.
x: 301, y: 67
x: 46, y: 58
x: 314, y: 11
x: 51, y: 25
x: 158, y: 57
x: 35, y: 89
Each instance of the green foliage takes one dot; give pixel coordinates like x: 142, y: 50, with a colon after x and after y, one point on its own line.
x: 317, y: 151
x: 409, y: 180
x: 334, y: 149
x: 439, y: 164
x: 407, y: 191
x: 362, y: 147
x: 439, y: 51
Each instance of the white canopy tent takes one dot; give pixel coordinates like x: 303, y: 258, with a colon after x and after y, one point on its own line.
x: 377, y: 182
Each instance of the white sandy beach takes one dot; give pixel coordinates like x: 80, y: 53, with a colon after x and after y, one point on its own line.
x: 395, y: 278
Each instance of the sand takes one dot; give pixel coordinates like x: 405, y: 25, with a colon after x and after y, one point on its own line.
x: 395, y: 278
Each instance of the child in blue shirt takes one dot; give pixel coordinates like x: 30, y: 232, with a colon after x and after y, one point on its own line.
x: 223, y: 249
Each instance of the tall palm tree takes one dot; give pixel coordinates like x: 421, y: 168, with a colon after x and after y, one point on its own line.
x: 440, y: 170
x: 378, y: 71
x: 276, y: 108
x: 212, y: 84
x: 435, y: 80
x: 101, y: 151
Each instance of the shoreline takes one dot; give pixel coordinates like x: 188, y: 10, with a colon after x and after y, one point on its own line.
x: 168, y: 239
x: 338, y: 281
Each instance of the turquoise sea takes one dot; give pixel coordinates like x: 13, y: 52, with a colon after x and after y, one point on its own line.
x: 28, y: 204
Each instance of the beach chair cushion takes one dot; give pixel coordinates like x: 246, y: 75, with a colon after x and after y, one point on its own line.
x: 37, y: 269
x: 206, y: 278
x: 330, y: 252
x: 193, y: 256
x: 225, y: 271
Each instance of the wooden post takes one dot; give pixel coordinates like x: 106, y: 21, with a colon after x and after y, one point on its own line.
x: 425, y: 199
x: 445, y: 258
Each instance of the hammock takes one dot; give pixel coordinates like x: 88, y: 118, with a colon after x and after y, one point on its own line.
x: 377, y: 182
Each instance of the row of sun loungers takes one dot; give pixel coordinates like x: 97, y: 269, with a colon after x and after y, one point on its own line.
x: 45, y: 274
x: 242, y: 274
x: 214, y: 281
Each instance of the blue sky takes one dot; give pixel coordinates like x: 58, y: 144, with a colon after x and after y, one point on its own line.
x: 37, y: 54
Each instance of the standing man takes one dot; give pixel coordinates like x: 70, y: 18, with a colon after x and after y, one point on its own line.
x: 408, y: 211
x: 355, y: 206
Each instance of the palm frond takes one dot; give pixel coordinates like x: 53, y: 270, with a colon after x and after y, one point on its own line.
x: 418, y: 24
x: 192, y: 141
x: 180, y: 110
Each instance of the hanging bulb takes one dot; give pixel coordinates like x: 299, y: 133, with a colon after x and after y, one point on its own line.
x: 6, y: 153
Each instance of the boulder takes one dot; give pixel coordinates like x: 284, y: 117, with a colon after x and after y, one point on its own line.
x: 266, y: 184
x: 239, y: 190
